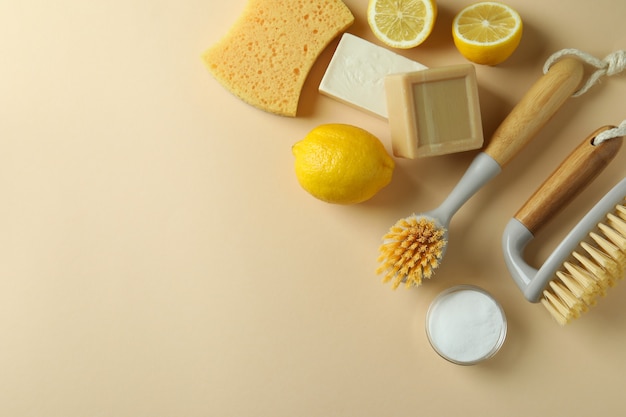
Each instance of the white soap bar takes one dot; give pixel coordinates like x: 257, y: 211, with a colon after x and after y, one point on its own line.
x: 356, y: 74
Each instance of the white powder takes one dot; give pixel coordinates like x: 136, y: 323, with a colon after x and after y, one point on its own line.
x: 465, y: 325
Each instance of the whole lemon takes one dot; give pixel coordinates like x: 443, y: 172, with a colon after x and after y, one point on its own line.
x: 342, y: 164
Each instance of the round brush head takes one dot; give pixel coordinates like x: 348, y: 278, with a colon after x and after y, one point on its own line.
x: 597, y: 267
x: 411, y: 251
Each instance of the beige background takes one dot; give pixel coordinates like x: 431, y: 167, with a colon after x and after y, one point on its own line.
x: 158, y: 257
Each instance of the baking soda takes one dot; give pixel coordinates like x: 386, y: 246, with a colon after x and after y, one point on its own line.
x: 465, y: 325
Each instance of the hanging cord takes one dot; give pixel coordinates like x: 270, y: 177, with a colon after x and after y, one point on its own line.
x: 609, y: 134
x: 612, y: 64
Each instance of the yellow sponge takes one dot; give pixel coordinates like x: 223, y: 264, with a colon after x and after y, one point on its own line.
x: 266, y: 56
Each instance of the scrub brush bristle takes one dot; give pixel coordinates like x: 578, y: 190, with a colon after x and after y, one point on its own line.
x: 601, y: 264
x: 411, y: 251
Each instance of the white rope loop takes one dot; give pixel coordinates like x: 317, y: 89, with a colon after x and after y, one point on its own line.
x: 612, y: 64
x: 609, y: 134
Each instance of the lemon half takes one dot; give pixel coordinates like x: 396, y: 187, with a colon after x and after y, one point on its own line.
x: 487, y: 32
x: 342, y: 164
x: 402, y: 24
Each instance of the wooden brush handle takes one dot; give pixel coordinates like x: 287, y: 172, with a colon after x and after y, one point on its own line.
x: 568, y: 180
x: 534, y: 110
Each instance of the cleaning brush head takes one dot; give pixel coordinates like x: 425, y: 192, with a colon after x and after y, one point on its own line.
x: 600, y: 265
x: 411, y: 251
x: 592, y: 257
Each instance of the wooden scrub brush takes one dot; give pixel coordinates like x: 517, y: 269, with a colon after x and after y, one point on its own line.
x: 414, y: 246
x: 592, y: 257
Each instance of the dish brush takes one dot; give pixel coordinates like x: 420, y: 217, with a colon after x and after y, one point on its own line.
x: 414, y: 247
x: 592, y: 257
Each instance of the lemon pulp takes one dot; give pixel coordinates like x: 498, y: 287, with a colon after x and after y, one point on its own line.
x: 402, y: 23
x: 487, y: 32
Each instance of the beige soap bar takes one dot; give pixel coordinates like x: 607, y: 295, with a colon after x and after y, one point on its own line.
x: 434, y: 111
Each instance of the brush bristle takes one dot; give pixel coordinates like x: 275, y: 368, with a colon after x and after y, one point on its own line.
x: 411, y: 251
x: 600, y: 265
